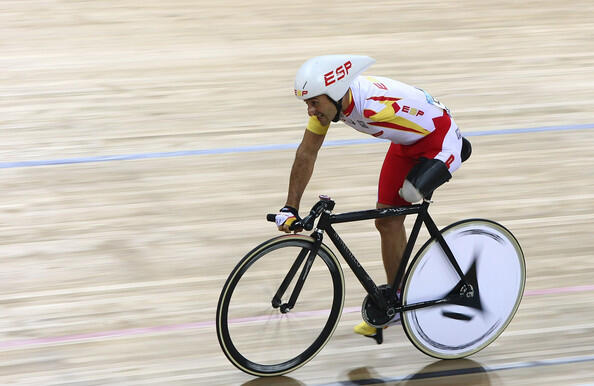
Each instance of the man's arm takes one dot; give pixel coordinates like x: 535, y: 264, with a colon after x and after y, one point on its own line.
x: 303, y: 165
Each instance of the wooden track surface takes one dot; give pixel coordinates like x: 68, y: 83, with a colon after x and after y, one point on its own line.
x: 110, y: 271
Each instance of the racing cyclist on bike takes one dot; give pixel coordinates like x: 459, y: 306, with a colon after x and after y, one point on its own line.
x: 425, y: 148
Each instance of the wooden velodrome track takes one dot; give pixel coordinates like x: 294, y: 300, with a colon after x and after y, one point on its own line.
x: 110, y: 268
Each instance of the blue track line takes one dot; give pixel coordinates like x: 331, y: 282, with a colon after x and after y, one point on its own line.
x: 464, y: 371
x: 252, y: 149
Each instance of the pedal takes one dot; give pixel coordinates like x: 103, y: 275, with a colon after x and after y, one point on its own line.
x: 378, y: 337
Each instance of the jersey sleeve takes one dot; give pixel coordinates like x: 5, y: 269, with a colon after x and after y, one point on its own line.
x: 316, y: 127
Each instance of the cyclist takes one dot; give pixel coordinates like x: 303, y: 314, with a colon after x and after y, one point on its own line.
x: 425, y: 149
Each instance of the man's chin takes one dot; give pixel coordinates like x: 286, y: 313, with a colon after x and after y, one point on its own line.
x: 324, y: 121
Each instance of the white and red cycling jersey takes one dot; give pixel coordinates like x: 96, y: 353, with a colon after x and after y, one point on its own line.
x: 416, y: 123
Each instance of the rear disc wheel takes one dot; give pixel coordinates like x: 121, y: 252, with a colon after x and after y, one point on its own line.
x: 492, y: 261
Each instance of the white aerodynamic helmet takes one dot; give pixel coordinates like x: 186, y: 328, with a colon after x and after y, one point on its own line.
x: 330, y: 75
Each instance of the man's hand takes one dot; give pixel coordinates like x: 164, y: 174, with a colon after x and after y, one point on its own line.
x: 287, y: 216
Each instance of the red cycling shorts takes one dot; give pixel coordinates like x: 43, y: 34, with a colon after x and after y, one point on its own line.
x: 445, y: 144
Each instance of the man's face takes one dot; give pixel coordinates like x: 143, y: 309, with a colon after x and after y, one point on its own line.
x: 322, y: 107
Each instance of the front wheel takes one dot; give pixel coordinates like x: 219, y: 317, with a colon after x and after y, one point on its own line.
x: 257, y: 330
x: 492, y: 261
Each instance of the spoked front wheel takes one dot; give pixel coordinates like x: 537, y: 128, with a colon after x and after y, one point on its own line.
x: 257, y: 328
x: 493, y: 263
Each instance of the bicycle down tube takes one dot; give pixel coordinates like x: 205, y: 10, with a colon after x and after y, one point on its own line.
x: 423, y: 217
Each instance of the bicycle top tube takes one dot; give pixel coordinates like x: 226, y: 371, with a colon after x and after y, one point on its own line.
x: 327, y: 204
x: 376, y: 213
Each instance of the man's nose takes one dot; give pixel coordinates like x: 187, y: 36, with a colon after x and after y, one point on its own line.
x: 311, y: 111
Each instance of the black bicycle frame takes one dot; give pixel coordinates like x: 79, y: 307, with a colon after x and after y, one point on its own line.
x: 327, y: 220
x: 325, y: 225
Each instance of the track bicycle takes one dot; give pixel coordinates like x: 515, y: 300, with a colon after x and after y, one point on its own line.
x: 282, y: 302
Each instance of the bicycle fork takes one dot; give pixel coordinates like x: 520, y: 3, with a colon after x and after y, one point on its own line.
x: 277, y: 298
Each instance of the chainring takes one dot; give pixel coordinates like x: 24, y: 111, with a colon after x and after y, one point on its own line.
x: 372, y: 314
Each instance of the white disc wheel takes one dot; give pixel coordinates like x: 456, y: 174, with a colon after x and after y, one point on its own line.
x: 492, y: 262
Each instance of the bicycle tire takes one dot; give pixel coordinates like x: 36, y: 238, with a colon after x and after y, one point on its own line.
x: 273, y: 363
x: 457, y: 330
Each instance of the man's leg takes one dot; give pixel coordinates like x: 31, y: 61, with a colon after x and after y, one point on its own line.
x: 392, y: 233
x: 391, y: 229
x: 393, y: 243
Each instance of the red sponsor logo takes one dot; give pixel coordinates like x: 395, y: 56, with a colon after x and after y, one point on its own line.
x: 337, y: 74
x: 412, y: 111
x: 300, y: 93
x: 380, y: 85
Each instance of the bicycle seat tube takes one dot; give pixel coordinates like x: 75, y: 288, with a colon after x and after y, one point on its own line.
x: 412, y: 239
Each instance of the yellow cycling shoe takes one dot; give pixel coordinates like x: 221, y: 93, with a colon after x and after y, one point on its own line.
x: 375, y: 333
x: 364, y: 329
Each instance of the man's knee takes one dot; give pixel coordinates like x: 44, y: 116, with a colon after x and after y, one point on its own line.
x: 389, y: 225
x: 423, y: 179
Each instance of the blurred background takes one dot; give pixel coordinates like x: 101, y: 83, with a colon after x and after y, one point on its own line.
x: 133, y: 177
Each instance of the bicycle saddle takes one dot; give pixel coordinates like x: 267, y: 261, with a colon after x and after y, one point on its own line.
x: 466, y: 149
